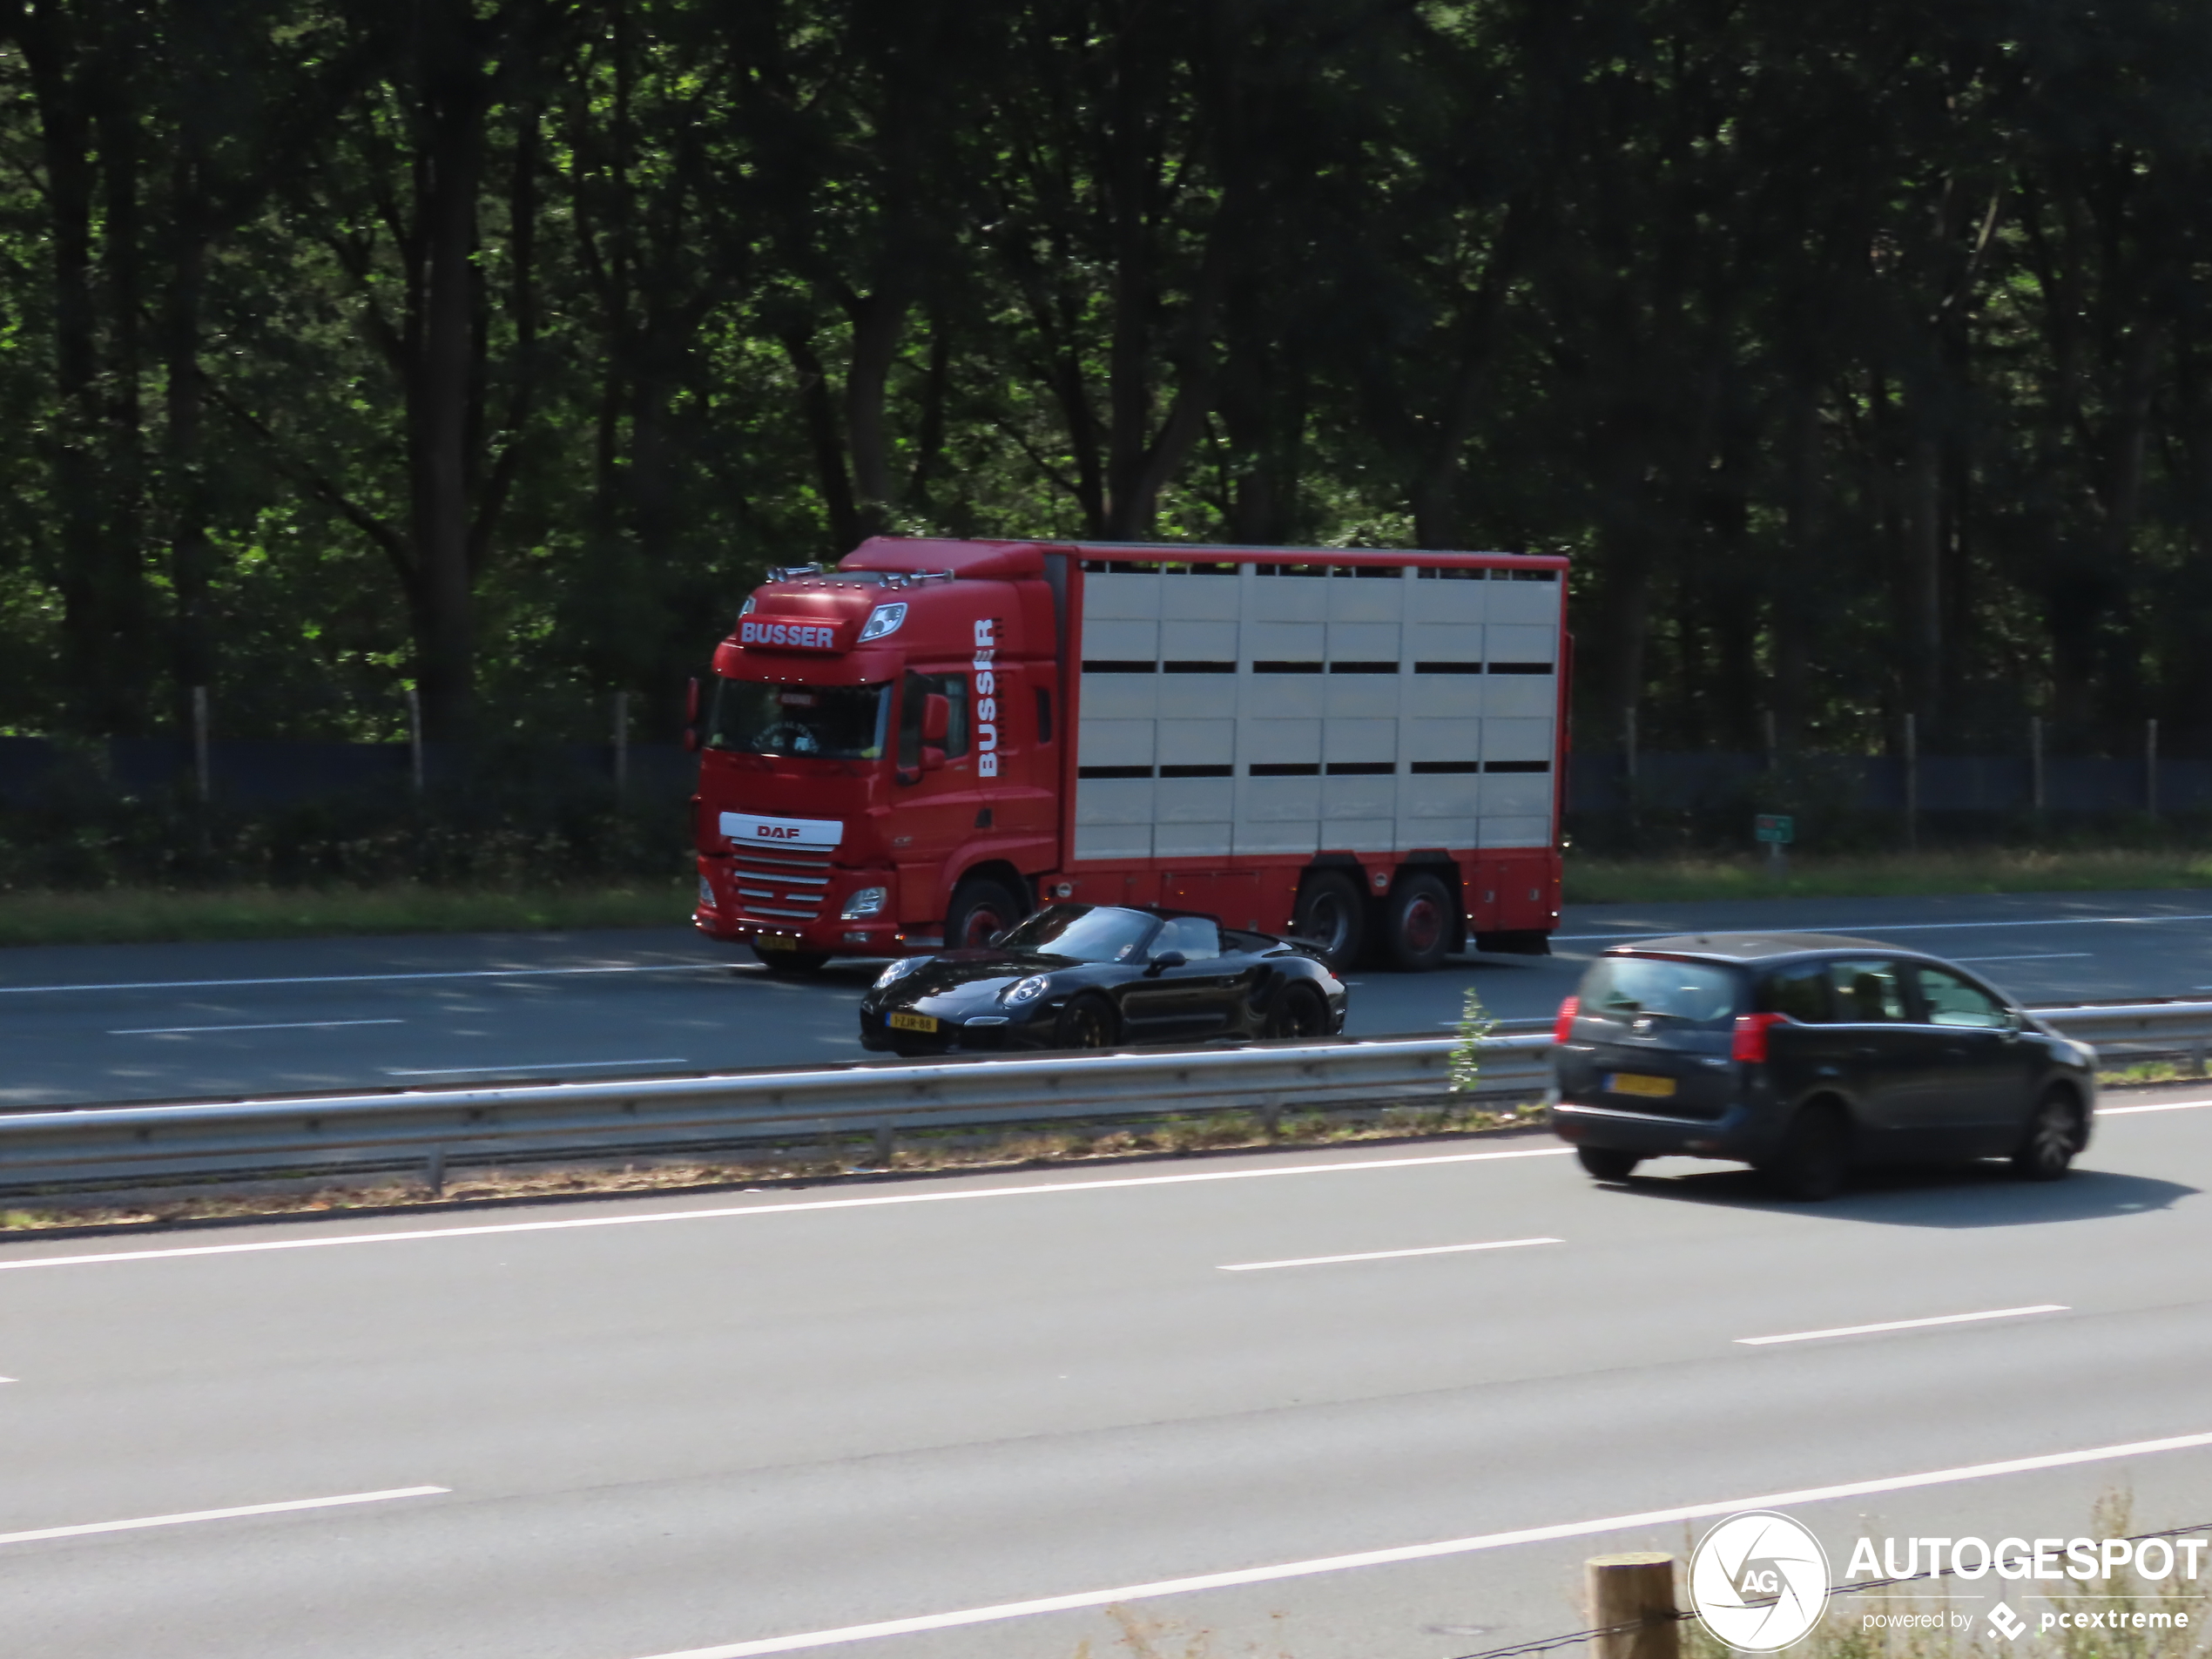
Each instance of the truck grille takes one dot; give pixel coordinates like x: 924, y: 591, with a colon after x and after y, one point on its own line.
x: 785, y: 886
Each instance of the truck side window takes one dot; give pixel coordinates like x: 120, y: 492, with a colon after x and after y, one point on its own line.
x: 953, y: 689
x: 1045, y: 715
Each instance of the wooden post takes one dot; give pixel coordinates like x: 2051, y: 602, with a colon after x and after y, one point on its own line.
x: 2150, y: 766
x: 1625, y: 1588
x: 415, y: 735
x: 1912, y: 784
x: 2035, y: 763
x: 621, y: 743
x: 199, y: 743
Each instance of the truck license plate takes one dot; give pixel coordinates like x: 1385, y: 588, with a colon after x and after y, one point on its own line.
x: 913, y: 1023
x: 775, y: 941
x: 1630, y: 1082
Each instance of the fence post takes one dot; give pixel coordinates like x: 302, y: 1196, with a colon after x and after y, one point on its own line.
x: 1912, y: 784
x: 2150, y: 766
x: 415, y: 735
x: 1624, y: 1589
x: 2035, y: 764
x: 199, y: 767
x: 621, y: 743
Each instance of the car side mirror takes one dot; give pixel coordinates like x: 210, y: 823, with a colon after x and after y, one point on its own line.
x: 1164, y: 961
x: 936, y: 718
x: 2016, y: 1023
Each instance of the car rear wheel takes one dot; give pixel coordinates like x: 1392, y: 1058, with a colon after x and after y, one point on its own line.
x: 1298, y: 1012
x: 2054, y: 1136
x: 1815, y: 1160
x: 1086, y: 1022
x: 1332, y: 916
x: 1417, y: 924
x: 981, y: 909
x: 1606, y: 1162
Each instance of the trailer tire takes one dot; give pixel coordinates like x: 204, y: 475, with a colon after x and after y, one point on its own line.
x: 1332, y: 916
x: 981, y: 908
x: 1417, y: 924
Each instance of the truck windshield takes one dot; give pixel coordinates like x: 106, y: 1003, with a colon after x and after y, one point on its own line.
x: 822, y: 722
x: 1087, y: 933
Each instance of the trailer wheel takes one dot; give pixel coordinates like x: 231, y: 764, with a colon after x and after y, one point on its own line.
x: 1417, y: 924
x: 981, y: 907
x: 1332, y: 916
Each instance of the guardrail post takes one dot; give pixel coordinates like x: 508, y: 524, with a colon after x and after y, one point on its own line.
x: 1625, y: 1589
x: 434, y: 1169
x: 2196, y: 1058
x: 887, y: 1144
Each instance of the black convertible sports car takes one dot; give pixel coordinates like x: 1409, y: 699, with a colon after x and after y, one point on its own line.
x: 1097, y: 976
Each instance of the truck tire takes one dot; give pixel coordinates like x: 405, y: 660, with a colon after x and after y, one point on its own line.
x: 1417, y: 924
x: 981, y: 908
x: 1332, y: 916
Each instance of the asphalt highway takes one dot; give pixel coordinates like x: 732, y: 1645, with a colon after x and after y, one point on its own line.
x: 169, y: 1021
x: 1376, y: 1404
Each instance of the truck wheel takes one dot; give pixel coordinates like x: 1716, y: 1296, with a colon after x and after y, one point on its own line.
x: 981, y: 908
x: 1332, y: 916
x: 1417, y: 924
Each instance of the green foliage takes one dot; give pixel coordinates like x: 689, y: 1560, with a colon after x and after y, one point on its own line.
x: 1475, y: 1023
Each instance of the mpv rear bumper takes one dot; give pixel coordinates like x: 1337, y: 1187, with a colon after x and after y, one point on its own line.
x: 1744, y: 1133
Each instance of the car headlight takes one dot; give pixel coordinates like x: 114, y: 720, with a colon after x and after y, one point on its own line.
x: 899, y: 970
x: 1027, y: 990
x: 868, y: 901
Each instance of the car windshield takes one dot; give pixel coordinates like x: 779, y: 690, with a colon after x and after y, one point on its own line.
x: 823, y: 722
x: 1627, y: 987
x: 1088, y: 933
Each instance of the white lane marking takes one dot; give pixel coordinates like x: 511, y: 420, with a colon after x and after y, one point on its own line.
x: 563, y: 1065
x: 285, y: 1025
x: 2154, y: 1106
x: 1904, y: 1325
x: 873, y: 1202
x: 369, y: 979
x: 1886, y: 927
x: 1386, y: 1255
x: 1427, y: 1552
x: 218, y: 1515
x: 2038, y: 956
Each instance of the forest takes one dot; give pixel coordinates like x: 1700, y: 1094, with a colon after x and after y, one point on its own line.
x: 1859, y: 354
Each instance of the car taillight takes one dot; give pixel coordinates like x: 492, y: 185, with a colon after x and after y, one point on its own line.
x: 1751, y: 1036
x: 1563, y: 1031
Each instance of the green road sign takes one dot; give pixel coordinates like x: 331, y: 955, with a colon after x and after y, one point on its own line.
x: 1777, y: 829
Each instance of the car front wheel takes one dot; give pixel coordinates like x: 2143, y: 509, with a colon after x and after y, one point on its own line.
x: 1086, y: 1022
x: 2054, y: 1136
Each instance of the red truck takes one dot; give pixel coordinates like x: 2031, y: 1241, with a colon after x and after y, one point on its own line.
x: 911, y: 750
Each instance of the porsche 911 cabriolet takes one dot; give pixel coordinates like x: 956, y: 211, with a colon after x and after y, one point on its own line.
x: 1100, y: 976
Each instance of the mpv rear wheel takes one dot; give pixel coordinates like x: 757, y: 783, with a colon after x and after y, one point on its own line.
x: 1815, y: 1160
x: 1606, y: 1162
x: 2046, y: 1152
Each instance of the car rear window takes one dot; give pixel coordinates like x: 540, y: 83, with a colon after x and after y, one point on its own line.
x: 1623, y: 987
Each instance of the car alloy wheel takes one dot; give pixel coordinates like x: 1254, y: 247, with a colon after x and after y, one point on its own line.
x: 2053, y: 1136
x: 1298, y: 1012
x: 1085, y: 1024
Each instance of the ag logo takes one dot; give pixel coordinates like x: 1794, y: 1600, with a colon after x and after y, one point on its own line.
x: 1759, y: 1580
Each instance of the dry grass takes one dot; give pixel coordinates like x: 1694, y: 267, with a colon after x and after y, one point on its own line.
x: 940, y: 1152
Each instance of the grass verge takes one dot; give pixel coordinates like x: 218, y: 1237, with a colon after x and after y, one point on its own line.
x: 1599, y: 880
x: 930, y: 1152
x: 153, y: 915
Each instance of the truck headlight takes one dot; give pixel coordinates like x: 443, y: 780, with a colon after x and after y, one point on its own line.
x: 1027, y: 990
x: 868, y: 901
x: 706, y: 894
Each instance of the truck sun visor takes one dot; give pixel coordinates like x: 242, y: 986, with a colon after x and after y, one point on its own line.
x: 884, y: 619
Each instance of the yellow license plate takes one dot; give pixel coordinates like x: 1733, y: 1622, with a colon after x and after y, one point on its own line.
x: 912, y: 1022
x: 775, y: 941
x: 1630, y: 1082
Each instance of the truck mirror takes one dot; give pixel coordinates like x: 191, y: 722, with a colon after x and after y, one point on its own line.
x: 933, y: 758
x: 690, y: 740
x: 936, y: 720
x: 692, y: 703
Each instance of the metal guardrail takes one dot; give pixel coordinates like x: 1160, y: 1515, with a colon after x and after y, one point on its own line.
x: 428, y: 1128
